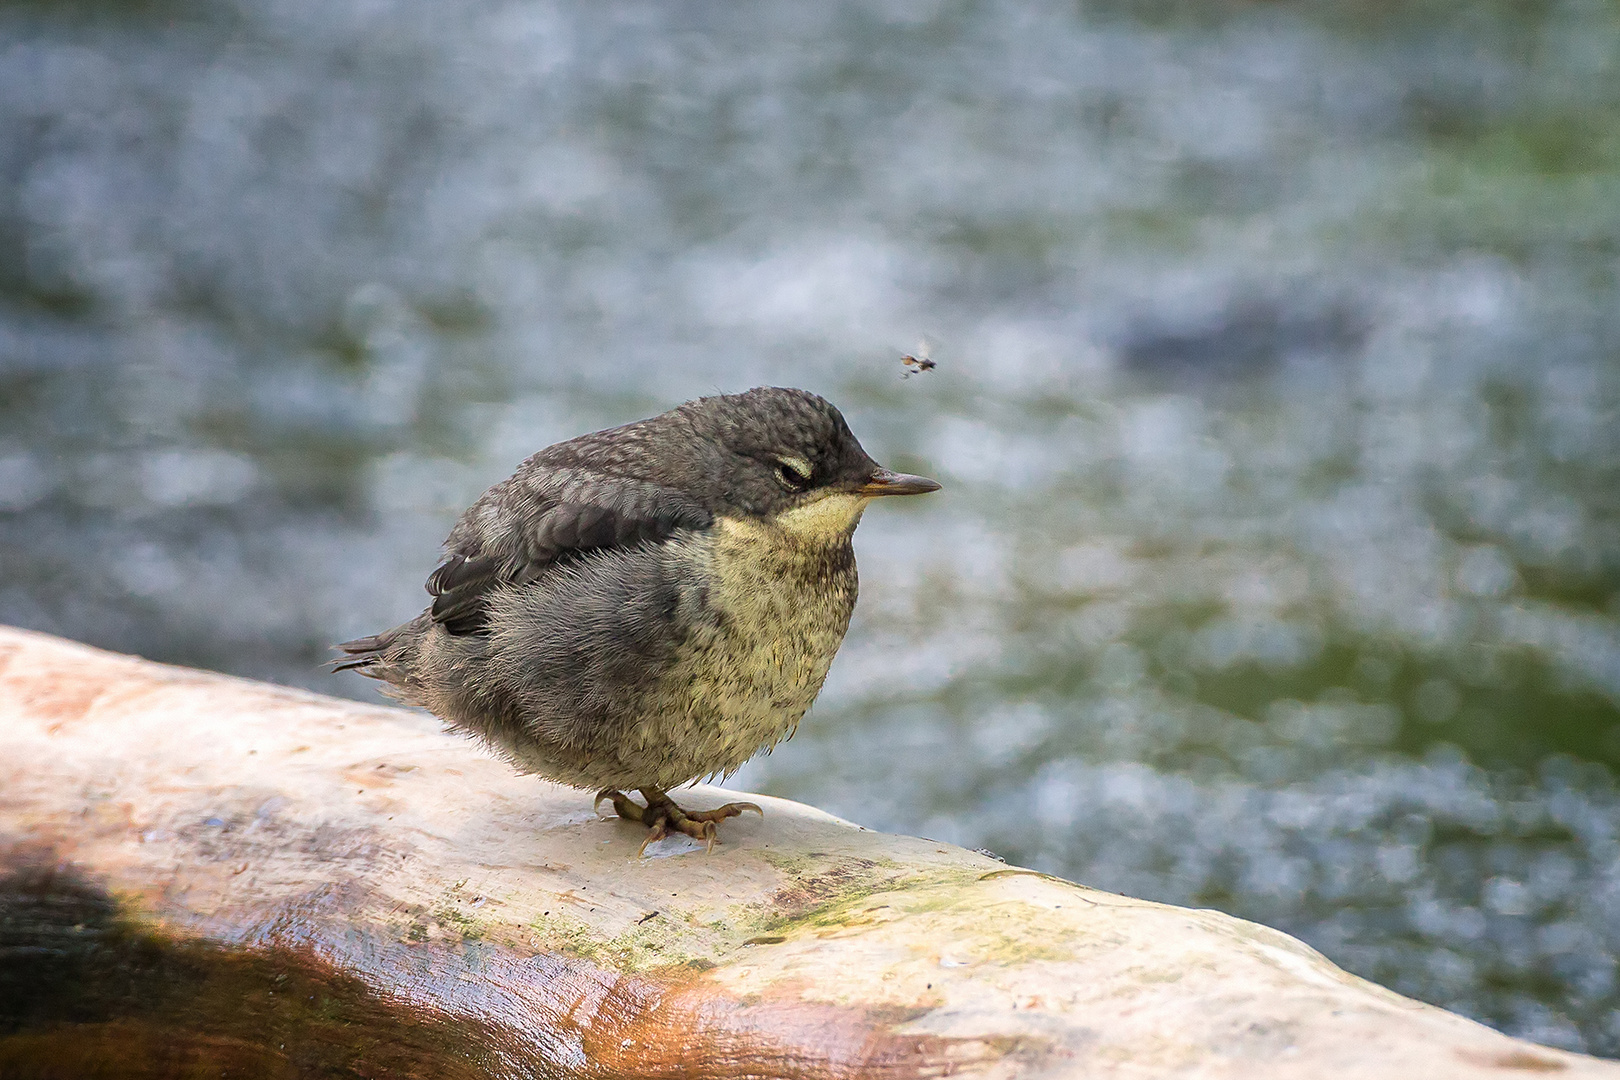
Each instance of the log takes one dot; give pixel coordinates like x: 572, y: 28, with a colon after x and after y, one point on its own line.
x: 201, y: 875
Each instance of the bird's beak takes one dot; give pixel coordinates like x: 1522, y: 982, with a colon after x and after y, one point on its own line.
x: 884, y: 482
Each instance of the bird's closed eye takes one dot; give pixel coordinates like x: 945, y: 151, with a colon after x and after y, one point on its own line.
x: 793, y: 472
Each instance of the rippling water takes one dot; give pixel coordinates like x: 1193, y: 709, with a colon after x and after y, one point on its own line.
x: 1278, y: 568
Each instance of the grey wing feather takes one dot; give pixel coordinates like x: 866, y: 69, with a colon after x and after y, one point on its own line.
x: 525, y: 526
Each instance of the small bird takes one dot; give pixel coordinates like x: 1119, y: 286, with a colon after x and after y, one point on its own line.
x: 643, y: 606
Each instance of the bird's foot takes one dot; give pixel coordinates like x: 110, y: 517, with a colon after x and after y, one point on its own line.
x: 662, y: 816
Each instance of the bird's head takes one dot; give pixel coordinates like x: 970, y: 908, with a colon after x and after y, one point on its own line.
x: 788, y: 456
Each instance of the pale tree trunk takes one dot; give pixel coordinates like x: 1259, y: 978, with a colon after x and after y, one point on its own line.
x: 203, y: 875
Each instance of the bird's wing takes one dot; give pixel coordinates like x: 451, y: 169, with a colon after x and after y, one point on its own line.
x: 525, y: 526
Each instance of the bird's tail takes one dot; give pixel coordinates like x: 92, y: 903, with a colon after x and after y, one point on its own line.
x: 361, y: 653
x: 380, y: 656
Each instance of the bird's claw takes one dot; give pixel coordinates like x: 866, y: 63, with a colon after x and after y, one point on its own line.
x: 662, y: 817
x: 622, y: 804
x: 654, y: 834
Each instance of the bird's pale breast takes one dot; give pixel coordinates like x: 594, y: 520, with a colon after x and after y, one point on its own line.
x: 781, y: 598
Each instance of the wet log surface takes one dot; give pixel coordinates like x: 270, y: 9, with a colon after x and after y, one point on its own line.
x: 205, y: 876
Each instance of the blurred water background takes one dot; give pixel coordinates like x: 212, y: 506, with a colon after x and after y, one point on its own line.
x: 1278, y: 567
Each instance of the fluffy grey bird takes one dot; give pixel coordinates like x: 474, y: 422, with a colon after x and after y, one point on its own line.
x: 643, y: 606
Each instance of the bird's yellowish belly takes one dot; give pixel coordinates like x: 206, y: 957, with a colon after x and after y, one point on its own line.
x: 779, y: 601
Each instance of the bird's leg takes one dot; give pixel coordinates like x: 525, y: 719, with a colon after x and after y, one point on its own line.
x: 662, y: 816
